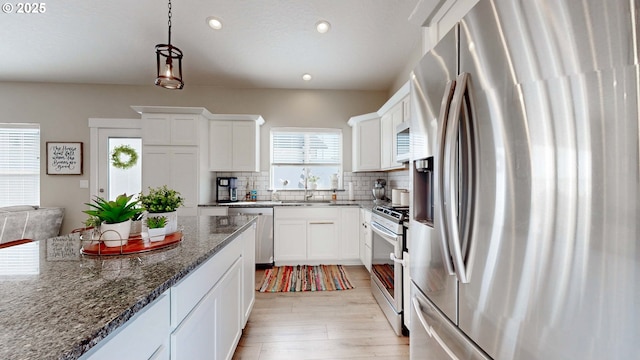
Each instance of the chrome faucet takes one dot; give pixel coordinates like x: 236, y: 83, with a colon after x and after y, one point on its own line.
x: 306, y: 183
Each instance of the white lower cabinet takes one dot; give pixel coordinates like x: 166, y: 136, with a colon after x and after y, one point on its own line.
x: 213, y: 211
x: 290, y: 239
x: 365, y: 238
x: 229, y: 317
x: 323, y: 239
x: 208, y: 311
x: 350, y: 234
x: 195, y: 337
x: 214, y: 326
x: 144, y: 336
x: 316, y: 235
x: 201, y: 317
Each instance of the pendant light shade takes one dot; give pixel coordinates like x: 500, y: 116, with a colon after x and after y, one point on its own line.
x: 169, y: 63
x: 169, y: 66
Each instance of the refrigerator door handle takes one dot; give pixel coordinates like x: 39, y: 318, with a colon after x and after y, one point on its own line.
x: 455, y: 215
x: 439, y: 180
x: 430, y: 331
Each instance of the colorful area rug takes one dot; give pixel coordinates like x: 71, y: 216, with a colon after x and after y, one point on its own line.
x: 305, y: 278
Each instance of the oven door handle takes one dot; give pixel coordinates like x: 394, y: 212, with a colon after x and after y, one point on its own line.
x: 386, y: 234
x: 395, y: 259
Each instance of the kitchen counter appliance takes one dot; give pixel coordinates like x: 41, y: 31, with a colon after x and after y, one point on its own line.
x: 264, y: 233
x: 387, y: 249
x: 379, y: 191
x: 226, y: 189
x: 530, y: 112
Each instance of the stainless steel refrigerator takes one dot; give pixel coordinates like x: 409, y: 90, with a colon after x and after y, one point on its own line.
x: 525, y: 229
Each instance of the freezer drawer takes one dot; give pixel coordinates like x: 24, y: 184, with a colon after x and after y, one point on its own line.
x: 434, y: 337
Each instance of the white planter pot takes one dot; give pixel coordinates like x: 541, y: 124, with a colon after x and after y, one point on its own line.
x: 115, y: 234
x: 172, y: 221
x: 156, y: 234
x: 136, y: 228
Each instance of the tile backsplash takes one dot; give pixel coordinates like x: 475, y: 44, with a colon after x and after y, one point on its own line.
x: 362, y: 183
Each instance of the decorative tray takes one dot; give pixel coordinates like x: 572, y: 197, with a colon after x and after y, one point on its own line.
x: 135, y: 244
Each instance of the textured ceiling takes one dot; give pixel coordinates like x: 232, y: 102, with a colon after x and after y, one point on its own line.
x: 263, y: 44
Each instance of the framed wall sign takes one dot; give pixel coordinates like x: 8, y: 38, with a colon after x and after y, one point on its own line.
x: 64, y: 158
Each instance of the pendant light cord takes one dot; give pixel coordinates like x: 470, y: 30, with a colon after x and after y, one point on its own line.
x: 169, y: 22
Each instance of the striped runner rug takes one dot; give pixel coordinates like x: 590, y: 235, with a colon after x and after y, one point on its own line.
x: 305, y: 278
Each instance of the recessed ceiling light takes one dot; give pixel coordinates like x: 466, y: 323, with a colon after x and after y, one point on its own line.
x: 306, y: 77
x: 214, y: 23
x: 323, y: 26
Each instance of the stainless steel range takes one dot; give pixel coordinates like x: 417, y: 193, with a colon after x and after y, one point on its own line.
x: 387, y: 262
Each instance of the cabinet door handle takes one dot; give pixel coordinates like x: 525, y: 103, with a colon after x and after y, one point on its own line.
x: 321, y: 222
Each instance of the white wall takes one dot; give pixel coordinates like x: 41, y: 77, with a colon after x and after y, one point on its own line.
x: 63, y: 110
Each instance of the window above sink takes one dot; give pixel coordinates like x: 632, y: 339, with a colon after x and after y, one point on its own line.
x: 297, y: 153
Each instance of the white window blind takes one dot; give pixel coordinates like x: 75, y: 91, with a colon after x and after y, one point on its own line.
x: 19, y: 164
x: 319, y: 146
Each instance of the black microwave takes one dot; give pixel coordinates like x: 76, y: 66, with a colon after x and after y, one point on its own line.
x: 402, y: 149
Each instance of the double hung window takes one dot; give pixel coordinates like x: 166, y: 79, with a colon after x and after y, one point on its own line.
x: 299, y: 154
x: 19, y: 164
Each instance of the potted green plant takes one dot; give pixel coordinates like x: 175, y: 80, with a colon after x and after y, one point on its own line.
x: 162, y: 201
x: 156, y: 225
x: 115, y: 218
x: 313, y: 182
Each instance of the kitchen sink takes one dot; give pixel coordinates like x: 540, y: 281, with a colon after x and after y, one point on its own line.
x: 307, y: 203
x: 284, y: 203
x: 256, y: 203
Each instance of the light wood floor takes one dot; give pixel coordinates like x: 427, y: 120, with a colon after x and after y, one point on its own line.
x: 321, y: 325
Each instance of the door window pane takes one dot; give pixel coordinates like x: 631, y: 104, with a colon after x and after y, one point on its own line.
x: 128, y: 180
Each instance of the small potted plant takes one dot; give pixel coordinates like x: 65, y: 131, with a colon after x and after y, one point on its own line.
x: 162, y: 201
x: 313, y: 182
x: 115, y: 218
x: 156, y: 225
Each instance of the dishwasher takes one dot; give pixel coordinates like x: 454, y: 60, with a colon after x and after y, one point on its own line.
x: 264, y: 233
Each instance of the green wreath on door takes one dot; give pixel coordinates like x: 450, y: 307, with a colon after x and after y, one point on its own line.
x: 124, y: 157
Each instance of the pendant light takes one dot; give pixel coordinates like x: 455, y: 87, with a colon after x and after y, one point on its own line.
x: 169, y: 63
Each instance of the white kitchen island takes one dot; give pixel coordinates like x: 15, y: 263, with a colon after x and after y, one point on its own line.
x: 187, y: 300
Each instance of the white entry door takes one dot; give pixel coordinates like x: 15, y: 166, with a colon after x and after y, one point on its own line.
x: 108, y: 180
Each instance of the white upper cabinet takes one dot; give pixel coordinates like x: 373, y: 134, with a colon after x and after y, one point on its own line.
x: 392, y: 114
x: 365, y: 141
x: 170, y: 129
x: 374, y: 138
x: 171, y: 125
x: 172, y: 138
x: 234, y: 142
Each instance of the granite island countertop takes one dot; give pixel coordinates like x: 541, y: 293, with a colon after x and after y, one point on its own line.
x: 57, y: 303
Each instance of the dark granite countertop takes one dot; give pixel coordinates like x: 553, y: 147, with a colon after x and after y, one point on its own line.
x: 64, y: 303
